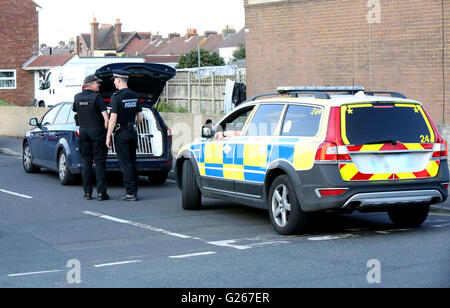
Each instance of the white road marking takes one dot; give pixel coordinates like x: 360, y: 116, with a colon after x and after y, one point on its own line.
x: 117, y: 263
x: 33, y: 273
x: 193, y: 255
x: 330, y: 237
x: 15, y: 194
x: 171, y: 181
x: 140, y: 225
x: 440, y: 226
x: 246, y: 243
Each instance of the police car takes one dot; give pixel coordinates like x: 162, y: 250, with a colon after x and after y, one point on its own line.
x: 320, y: 149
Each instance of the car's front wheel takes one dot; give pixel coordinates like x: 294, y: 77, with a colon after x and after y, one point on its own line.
x: 27, y: 160
x: 284, y: 208
x: 409, y: 217
x: 65, y: 176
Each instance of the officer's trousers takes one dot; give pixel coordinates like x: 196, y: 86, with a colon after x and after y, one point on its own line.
x: 93, y: 149
x: 125, y: 143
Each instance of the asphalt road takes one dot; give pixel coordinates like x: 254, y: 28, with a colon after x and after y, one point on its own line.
x: 51, y: 237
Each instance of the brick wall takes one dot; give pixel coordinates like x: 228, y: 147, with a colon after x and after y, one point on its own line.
x: 19, y: 39
x: 329, y: 42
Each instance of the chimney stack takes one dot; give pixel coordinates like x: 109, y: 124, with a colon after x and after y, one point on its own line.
x: 227, y: 31
x: 118, y: 30
x: 190, y: 33
x: 94, y: 35
x: 173, y: 35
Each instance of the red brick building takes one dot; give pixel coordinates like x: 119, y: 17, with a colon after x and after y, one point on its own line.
x: 19, y: 41
x: 380, y: 44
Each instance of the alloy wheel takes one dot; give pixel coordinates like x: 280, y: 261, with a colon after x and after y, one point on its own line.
x: 281, y: 206
x: 62, y: 166
x: 27, y: 158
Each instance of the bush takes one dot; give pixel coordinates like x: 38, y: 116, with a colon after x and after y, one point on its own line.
x: 3, y: 103
x: 171, y: 108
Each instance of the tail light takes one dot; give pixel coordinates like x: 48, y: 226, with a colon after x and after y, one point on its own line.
x: 77, y: 133
x: 440, y: 150
x: 169, y: 133
x: 333, y: 149
x: 329, y: 151
x: 445, y: 186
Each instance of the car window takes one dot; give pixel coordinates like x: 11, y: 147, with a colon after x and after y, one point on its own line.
x: 302, y: 121
x: 236, y: 121
x: 50, y: 116
x: 265, y: 120
x: 376, y: 123
x: 71, y: 117
x: 63, y: 114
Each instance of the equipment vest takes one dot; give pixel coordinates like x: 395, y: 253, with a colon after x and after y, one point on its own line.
x: 88, y: 109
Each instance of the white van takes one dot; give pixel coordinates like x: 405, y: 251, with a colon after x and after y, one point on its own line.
x: 60, y: 84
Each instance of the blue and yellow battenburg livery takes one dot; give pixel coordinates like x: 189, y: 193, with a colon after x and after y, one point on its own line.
x: 247, y: 158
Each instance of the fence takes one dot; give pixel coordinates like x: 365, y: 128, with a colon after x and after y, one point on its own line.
x: 206, y: 97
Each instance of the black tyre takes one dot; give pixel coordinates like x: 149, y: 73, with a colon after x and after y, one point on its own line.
x: 191, y: 195
x: 27, y: 160
x: 410, y: 217
x: 64, y: 174
x: 284, y: 208
x: 158, y: 177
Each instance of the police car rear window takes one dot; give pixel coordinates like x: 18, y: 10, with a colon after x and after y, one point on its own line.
x: 302, y: 121
x: 384, y: 122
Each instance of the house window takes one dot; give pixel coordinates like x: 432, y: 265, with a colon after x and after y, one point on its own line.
x: 7, y: 79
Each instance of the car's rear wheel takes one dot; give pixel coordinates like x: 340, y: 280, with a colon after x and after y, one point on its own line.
x: 65, y: 176
x: 191, y: 195
x: 284, y: 208
x: 409, y: 217
x: 27, y: 160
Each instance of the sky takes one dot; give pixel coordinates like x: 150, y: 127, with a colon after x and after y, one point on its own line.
x: 60, y: 20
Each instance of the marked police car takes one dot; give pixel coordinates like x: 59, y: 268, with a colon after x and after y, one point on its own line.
x: 303, y: 150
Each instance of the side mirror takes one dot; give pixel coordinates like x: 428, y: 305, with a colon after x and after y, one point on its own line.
x: 34, y: 122
x: 207, y: 131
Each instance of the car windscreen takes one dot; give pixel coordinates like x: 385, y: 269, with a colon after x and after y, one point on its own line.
x: 374, y: 123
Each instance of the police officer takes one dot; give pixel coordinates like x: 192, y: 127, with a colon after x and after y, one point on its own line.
x: 126, y: 113
x: 92, y: 117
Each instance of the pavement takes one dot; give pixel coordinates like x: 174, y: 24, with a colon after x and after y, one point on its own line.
x: 13, y: 147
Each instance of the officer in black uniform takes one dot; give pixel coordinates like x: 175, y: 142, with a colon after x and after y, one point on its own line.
x: 92, y: 117
x: 126, y: 113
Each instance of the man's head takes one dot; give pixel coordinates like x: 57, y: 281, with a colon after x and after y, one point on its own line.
x: 121, y: 79
x: 92, y: 83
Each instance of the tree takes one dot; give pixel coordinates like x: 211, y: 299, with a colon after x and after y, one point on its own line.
x: 190, y: 60
x: 239, y: 53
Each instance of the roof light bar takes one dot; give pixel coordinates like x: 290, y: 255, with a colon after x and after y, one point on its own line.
x: 320, y: 89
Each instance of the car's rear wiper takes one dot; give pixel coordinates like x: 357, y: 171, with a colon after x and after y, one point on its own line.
x: 391, y: 141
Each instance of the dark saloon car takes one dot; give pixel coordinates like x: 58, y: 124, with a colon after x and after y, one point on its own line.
x: 53, y: 143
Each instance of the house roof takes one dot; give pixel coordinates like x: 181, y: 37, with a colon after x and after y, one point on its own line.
x: 161, y: 59
x: 48, y: 62
x: 174, y: 47
x: 233, y: 40
x: 107, y: 38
